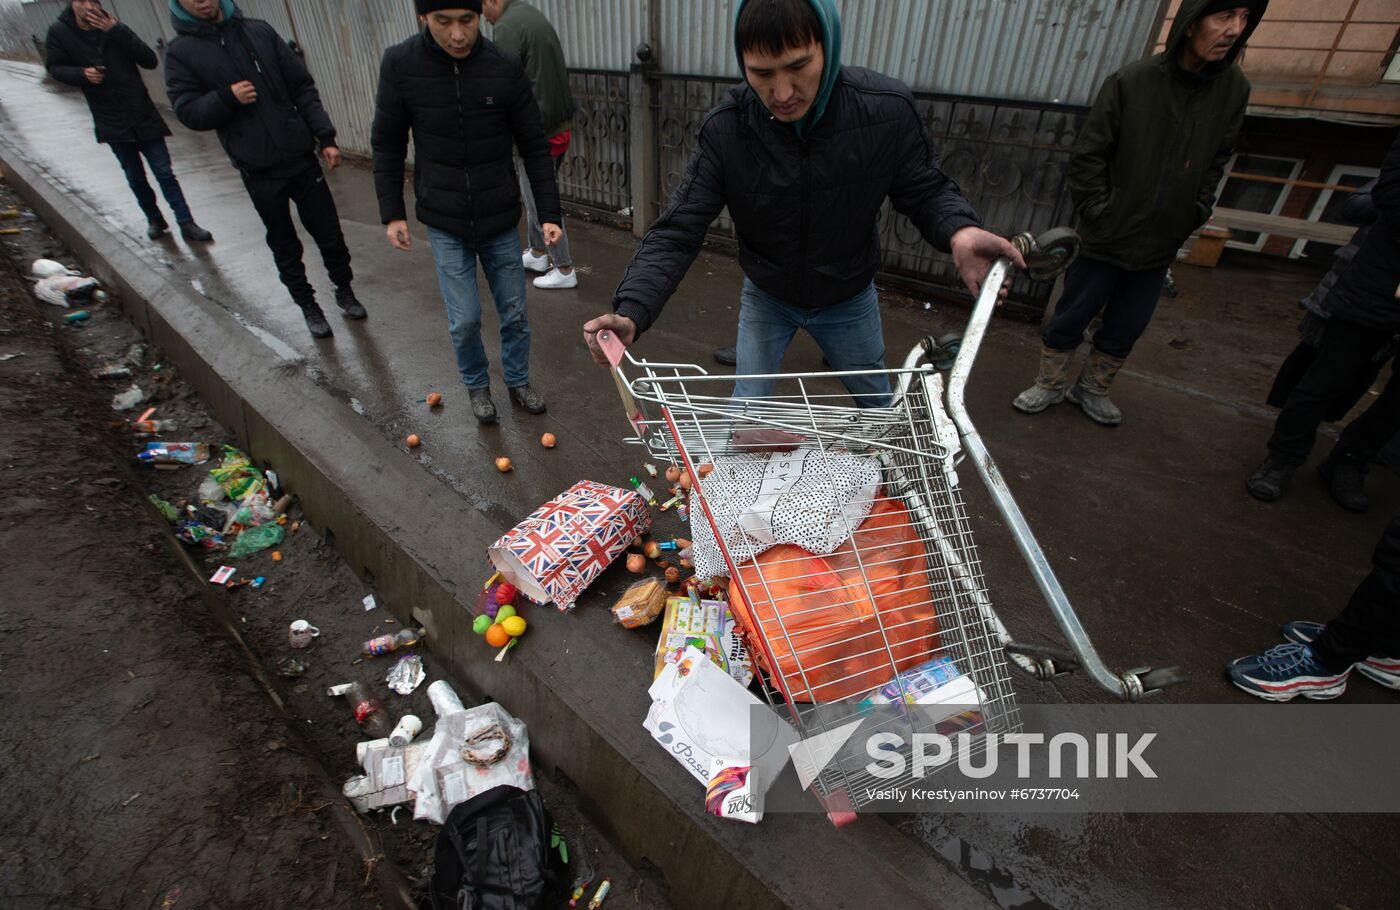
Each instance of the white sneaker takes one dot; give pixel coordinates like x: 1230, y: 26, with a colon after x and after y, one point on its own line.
x: 557, y: 279
x: 534, y: 263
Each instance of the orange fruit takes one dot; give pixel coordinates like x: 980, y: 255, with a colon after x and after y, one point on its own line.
x: 413, y: 440
x: 497, y: 636
x: 503, y: 465
x: 548, y: 441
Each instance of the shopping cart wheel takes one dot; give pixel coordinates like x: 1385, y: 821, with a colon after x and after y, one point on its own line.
x: 1048, y: 255
x: 839, y: 809
x: 1154, y: 681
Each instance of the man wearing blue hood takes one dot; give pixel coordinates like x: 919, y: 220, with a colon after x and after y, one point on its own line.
x: 804, y: 155
x: 237, y: 76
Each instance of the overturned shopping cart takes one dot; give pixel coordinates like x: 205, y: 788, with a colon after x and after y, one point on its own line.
x: 845, y: 535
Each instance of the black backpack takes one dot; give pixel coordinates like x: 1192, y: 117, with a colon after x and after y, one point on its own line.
x: 500, y: 850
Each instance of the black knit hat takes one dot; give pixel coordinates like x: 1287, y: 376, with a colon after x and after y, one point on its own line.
x: 432, y: 6
x: 1220, y: 6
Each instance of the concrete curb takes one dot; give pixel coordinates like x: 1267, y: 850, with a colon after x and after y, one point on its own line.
x: 422, y: 545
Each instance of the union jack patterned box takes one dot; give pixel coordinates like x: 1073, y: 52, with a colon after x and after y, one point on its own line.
x: 567, y: 542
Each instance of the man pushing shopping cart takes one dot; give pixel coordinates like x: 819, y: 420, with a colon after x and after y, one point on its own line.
x: 803, y: 155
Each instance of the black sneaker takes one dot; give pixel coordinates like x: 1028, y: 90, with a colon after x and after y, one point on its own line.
x: 156, y: 228
x: 194, y: 233
x: 1270, y: 479
x: 727, y: 356
x: 483, y: 408
x: 316, y: 320
x: 528, y: 399
x: 349, y: 304
x: 1346, y: 480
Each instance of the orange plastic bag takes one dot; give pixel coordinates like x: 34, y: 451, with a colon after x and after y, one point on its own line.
x: 825, y: 621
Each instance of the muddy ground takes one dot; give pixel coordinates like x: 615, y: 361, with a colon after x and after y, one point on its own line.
x: 150, y: 765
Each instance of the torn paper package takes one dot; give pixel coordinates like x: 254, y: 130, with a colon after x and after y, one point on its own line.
x: 699, y: 713
x: 470, y: 752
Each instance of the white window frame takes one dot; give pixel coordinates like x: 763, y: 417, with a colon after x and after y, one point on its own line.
x: 1315, y: 214
x: 1287, y: 189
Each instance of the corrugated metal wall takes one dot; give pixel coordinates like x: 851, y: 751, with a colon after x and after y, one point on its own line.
x: 600, y: 34
x: 1030, y: 50
x: 41, y: 15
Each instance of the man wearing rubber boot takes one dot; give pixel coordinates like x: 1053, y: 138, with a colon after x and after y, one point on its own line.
x: 1364, y: 320
x: 237, y: 76
x: 804, y: 156
x: 468, y: 105
x: 1143, y: 177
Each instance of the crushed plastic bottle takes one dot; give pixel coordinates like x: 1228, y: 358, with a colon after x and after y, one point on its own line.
x: 386, y: 643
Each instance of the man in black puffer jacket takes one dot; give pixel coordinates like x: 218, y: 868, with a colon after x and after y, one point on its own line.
x: 235, y: 75
x: 88, y: 48
x: 468, y: 105
x: 804, y: 156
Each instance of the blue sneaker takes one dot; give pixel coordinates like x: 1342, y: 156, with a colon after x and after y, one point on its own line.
x: 1286, y: 671
x: 1383, y: 670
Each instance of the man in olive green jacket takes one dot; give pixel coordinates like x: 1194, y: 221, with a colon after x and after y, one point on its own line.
x: 1143, y: 177
x: 524, y: 31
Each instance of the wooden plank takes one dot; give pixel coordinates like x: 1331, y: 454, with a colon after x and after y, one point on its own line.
x: 1302, y: 229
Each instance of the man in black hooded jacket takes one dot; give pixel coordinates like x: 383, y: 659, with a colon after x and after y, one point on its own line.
x: 88, y: 48
x: 237, y: 76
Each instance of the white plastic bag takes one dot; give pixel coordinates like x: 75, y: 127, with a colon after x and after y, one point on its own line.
x: 499, y: 745
x: 61, y: 290
x: 47, y: 268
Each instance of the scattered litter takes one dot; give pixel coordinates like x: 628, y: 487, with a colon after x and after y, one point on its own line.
x: 385, y: 643
x: 131, y: 799
x: 276, y: 555
x: 48, y: 268
x: 708, y: 625
x: 300, y: 633
x: 236, y: 474
x: 174, y: 453
x: 731, y: 792
x: 406, y: 675
x: 369, y: 602
x: 254, y: 539
x: 64, y: 290
x: 125, y: 401
x: 222, y: 575
x: 368, y: 711
x: 640, y: 604
x: 290, y: 667
x: 198, y: 534
x: 76, y: 317
x: 600, y: 895
x: 471, y: 751
x: 113, y: 372
x: 408, y: 727
x: 167, y: 511
x: 4, y: 357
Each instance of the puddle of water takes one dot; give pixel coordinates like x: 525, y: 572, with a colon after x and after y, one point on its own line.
x: 283, y: 350
x: 977, y: 867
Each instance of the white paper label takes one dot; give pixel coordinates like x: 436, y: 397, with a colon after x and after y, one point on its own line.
x: 392, y: 771
x: 454, y: 788
x: 369, y: 602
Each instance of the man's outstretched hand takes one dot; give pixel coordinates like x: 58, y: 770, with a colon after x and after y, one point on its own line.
x: 974, y: 252
x: 624, y: 328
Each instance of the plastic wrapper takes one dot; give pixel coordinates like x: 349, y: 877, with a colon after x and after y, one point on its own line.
x: 640, y: 604
x: 210, y: 490
x: 167, y: 511
x: 48, y: 268
x: 498, y: 746
x: 174, y: 453
x: 731, y: 792
x: 255, y: 510
x: 236, y: 474
x: 254, y: 539
x: 825, y: 613
x: 62, y: 290
x: 406, y: 675
x: 198, y: 534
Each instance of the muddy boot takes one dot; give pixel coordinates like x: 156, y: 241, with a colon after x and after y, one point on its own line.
x: 316, y: 320
x: 1270, y: 479
x: 528, y: 399
x: 193, y: 233
x: 156, y: 228
x: 1091, y: 391
x: 1346, y: 480
x: 1049, y: 386
x: 483, y: 408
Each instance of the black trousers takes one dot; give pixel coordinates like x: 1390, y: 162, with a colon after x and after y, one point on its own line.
x: 1127, y: 300
x: 273, y: 198
x: 1346, y: 353
x: 1369, y: 626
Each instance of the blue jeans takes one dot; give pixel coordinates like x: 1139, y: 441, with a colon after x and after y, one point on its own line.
x: 456, y: 269
x: 158, y: 156
x: 848, y: 333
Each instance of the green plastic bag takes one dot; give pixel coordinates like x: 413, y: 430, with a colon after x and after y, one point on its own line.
x: 166, y: 509
x: 254, y: 539
x: 236, y: 474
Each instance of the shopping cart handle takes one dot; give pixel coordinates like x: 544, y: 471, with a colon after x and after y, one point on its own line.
x: 612, y: 347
